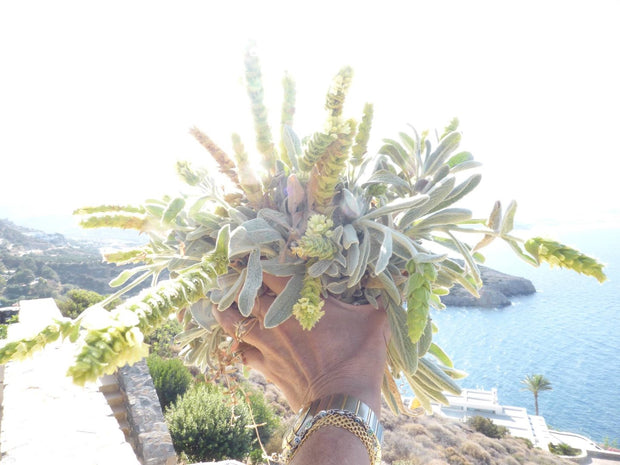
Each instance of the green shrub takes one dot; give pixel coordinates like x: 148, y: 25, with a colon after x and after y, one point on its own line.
x: 170, y: 377
x: 161, y: 339
x: 3, y: 331
x: 205, y: 427
x: 487, y: 427
x: 264, y: 416
x: 563, y: 449
x: 76, y: 301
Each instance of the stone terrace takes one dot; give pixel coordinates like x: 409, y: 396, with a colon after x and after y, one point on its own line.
x: 47, y: 419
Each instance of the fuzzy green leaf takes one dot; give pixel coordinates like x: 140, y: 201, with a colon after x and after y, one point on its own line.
x: 282, y: 307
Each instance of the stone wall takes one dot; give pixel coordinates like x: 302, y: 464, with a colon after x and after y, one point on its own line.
x: 149, y: 433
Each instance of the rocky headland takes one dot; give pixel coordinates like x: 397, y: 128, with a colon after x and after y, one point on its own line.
x: 496, y: 291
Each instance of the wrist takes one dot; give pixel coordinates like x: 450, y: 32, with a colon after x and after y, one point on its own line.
x: 343, y: 411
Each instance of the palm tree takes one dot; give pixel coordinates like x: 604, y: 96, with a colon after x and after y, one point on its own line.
x: 536, y: 384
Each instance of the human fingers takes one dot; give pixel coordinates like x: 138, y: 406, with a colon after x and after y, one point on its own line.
x: 242, y: 329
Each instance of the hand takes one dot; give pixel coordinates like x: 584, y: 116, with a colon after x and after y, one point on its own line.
x: 344, y: 353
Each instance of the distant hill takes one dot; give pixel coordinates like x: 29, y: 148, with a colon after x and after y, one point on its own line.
x: 37, y: 264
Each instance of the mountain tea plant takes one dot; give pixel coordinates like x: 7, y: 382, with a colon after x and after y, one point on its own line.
x: 383, y: 229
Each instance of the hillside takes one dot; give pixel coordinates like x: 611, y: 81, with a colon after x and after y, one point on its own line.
x: 36, y: 264
x: 432, y: 440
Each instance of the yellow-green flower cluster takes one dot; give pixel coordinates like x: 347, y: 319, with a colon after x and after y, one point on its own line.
x: 316, y: 242
x: 419, y: 293
x: 121, y: 221
x: 254, y: 85
x: 557, y: 254
x: 308, y: 309
x: 19, y: 350
x: 363, y: 135
x: 332, y: 163
x: 113, y: 339
x: 247, y: 180
x: 123, y: 257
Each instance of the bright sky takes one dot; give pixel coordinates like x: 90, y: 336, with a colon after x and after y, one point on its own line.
x: 96, y: 98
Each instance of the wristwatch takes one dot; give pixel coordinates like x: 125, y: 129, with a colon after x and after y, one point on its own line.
x: 356, y: 416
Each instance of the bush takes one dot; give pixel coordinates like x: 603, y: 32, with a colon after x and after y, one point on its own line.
x: 161, y: 339
x: 76, y: 301
x: 205, y: 427
x: 487, y: 427
x: 263, y: 415
x: 564, y: 449
x: 170, y: 377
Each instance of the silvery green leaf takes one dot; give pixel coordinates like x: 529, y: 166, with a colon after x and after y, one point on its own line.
x: 229, y: 295
x: 202, y: 313
x: 397, y: 237
x: 353, y: 256
x: 172, y: 210
x: 336, y: 235
x: 339, y: 258
x: 508, y: 221
x: 274, y: 267
x: 443, y: 217
x: 369, y: 295
x: 198, y: 233
x: 447, y: 277
x: 464, y: 251
x: 237, y: 216
x: 252, y: 284
x: 275, y: 218
x: 426, y: 338
x: 459, y: 158
x: 223, y: 237
x: 189, y: 335
x: 422, y: 257
x: 215, y: 295
x: 282, y: 307
x: 337, y: 287
x: 245, y: 238
x: 246, y: 211
x: 317, y: 269
x: 441, y: 173
x: 261, y: 231
x: 292, y: 145
x: 396, y: 206
x: 495, y: 217
x: 386, y: 177
x: 349, y: 236
x: 436, y: 195
x: 240, y: 242
x: 124, y: 276
x: 226, y: 280
x: 440, y: 355
x: 400, y: 251
x: 398, y: 155
x: 385, y: 252
x: 441, y: 153
x: 349, y: 204
x: 390, y: 288
x: 333, y: 270
x: 468, y: 165
x: 360, y: 269
x: 402, y: 347
x: 519, y: 251
x: 461, y: 190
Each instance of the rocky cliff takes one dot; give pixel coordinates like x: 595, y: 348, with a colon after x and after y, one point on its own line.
x: 496, y: 291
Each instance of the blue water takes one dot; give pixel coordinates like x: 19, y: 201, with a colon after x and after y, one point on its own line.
x: 569, y: 331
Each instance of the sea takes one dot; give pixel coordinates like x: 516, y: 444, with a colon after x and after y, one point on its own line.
x: 568, y: 331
